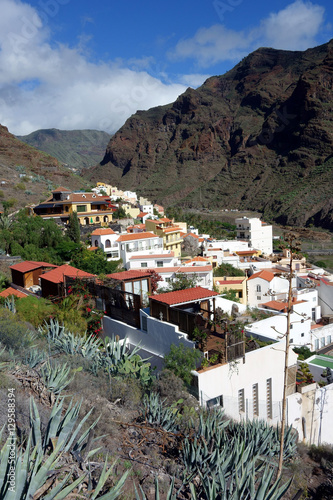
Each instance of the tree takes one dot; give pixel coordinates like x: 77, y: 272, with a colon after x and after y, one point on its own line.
x: 182, y: 360
x: 94, y: 262
x: 230, y: 295
x: 226, y: 269
x: 293, y: 246
x: 119, y: 213
x: 181, y: 282
x: 154, y: 279
x: 73, y: 228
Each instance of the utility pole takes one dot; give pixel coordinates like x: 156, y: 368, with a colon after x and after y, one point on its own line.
x: 293, y: 245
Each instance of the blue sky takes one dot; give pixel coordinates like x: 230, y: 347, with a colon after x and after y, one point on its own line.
x: 74, y: 64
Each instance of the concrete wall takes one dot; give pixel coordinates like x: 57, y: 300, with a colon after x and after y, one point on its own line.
x: 156, y: 340
x: 260, y: 365
x: 310, y: 413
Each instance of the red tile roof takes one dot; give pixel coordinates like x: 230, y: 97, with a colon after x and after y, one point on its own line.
x: 276, y: 305
x: 136, y: 236
x: 195, y: 269
x: 61, y: 190
x: 265, y: 275
x: 92, y: 249
x: 57, y: 275
x: 12, y: 291
x: 182, y: 296
x: 229, y: 282
x: 132, y: 274
x: 191, y: 234
x: 197, y: 259
x: 175, y: 229
x: 101, y: 231
x: 30, y: 265
x: 164, y: 270
x: 141, y: 214
x: 246, y: 252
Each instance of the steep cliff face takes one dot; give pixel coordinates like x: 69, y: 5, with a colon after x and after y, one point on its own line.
x: 259, y: 137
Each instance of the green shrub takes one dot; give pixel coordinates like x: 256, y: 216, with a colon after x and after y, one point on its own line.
x: 34, y: 310
x: 13, y: 332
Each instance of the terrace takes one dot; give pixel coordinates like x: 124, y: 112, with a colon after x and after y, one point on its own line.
x: 193, y: 311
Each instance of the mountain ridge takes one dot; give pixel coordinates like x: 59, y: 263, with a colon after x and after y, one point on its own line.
x: 77, y: 149
x: 258, y: 137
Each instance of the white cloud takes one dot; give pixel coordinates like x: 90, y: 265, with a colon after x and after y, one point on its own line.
x: 292, y: 28
x: 43, y: 86
x: 193, y: 80
x: 212, y: 45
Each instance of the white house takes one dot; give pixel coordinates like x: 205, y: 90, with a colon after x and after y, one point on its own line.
x: 265, y: 286
x: 156, y: 261
x: 106, y: 239
x: 132, y: 244
x: 251, y: 387
x: 258, y: 234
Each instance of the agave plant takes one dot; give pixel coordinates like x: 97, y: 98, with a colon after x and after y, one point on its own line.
x: 56, y: 376
x: 34, y: 357
x: 39, y: 466
x: 155, y: 412
x: 10, y: 304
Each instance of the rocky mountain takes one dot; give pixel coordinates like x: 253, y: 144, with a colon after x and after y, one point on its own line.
x: 258, y: 137
x: 28, y: 175
x: 75, y: 148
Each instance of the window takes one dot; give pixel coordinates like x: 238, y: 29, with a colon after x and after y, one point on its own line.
x: 159, y: 263
x: 144, y: 323
x: 214, y: 402
x: 255, y: 397
x: 258, y: 288
x: 168, y: 280
x: 302, y: 334
x: 107, y: 243
x: 322, y: 342
x: 258, y: 297
x: 328, y: 339
x: 269, y: 398
x: 316, y: 344
x: 81, y: 208
x: 240, y: 295
x: 291, y: 341
x: 144, y: 264
x: 241, y: 401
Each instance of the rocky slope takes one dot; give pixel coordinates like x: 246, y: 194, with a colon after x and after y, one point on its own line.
x: 75, y: 148
x: 27, y: 175
x: 259, y: 137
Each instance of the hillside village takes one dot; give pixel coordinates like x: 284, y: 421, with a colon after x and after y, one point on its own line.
x: 242, y: 341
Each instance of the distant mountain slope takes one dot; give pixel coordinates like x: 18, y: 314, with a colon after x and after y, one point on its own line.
x: 259, y: 137
x: 74, y: 148
x: 28, y: 175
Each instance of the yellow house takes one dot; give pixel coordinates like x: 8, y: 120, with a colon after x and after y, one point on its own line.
x: 236, y: 283
x: 133, y: 212
x: 90, y: 208
x: 170, y: 233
